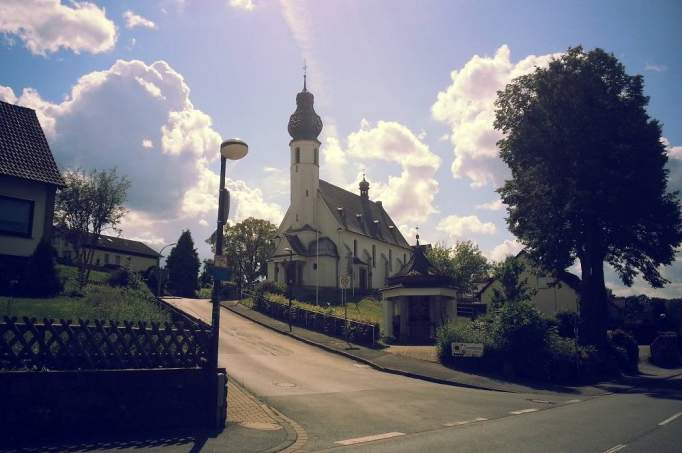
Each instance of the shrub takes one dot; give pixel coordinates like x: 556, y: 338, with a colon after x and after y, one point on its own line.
x: 566, y: 322
x: 124, y: 278
x: 268, y: 286
x: 40, y: 278
x: 625, y: 349
x: 665, y: 350
x: 476, y: 331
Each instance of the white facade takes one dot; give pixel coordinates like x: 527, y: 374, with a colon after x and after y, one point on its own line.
x: 552, y: 294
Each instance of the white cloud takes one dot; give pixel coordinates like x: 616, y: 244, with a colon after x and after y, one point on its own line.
x: 46, y: 26
x: 246, y: 5
x: 509, y: 247
x: 7, y: 95
x: 459, y: 227
x: 494, y: 205
x: 133, y: 20
x: 408, y: 197
x: 467, y: 107
x: 655, y: 67
x: 112, y: 118
x: 674, y: 166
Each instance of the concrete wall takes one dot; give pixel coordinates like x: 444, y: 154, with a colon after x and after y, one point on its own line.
x: 549, y: 299
x: 133, y: 262
x: 42, y: 195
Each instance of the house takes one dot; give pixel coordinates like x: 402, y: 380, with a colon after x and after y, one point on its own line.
x: 29, y: 178
x: 554, y: 292
x: 110, y: 252
x: 330, y: 235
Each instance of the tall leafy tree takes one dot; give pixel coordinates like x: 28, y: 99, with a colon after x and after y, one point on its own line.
x: 464, y: 263
x: 248, y: 244
x: 88, y: 204
x: 183, y: 267
x: 513, y: 287
x: 588, y: 179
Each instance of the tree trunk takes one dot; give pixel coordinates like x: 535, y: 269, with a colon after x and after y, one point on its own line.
x: 593, y: 308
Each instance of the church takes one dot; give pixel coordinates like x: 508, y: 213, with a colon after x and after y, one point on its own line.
x: 330, y: 237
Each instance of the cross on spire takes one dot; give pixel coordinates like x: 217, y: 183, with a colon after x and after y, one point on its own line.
x: 417, y: 235
x: 305, y: 73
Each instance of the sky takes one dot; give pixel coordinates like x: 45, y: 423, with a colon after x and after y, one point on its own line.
x: 405, y: 90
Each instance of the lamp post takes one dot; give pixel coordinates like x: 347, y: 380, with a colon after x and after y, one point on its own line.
x: 233, y: 149
x: 158, y: 271
x: 289, y: 282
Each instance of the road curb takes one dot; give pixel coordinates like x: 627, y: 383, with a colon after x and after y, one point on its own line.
x: 374, y: 365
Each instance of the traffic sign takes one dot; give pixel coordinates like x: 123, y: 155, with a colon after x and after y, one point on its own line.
x: 220, y: 273
x: 467, y: 349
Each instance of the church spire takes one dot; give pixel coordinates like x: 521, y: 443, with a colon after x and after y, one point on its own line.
x: 364, y: 187
x: 305, y: 123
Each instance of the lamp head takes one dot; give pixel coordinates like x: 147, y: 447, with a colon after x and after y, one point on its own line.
x: 234, y: 149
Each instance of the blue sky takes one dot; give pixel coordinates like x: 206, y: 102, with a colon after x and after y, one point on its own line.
x: 152, y: 86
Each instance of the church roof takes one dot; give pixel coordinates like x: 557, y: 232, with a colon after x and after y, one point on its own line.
x: 361, y: 215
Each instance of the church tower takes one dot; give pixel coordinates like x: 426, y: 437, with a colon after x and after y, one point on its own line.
x: 304, y: 127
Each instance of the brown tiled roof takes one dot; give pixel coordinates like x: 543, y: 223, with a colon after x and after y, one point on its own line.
x: 419, y: 271
x: 24, y: 152
x: 121, y: 245
x: 369, y: 211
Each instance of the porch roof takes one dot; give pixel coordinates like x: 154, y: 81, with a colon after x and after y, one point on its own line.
x: 418, y: 291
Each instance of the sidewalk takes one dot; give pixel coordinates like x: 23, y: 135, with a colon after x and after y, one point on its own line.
x: 404, y: 363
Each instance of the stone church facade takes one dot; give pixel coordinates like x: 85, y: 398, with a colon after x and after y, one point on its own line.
x: 331, y: 235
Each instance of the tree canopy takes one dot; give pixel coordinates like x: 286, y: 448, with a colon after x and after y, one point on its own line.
x: 588, y: 179
x: 84, y: 207
x: 464, y: 263
x: 248, y: 244
x: 183, y: 267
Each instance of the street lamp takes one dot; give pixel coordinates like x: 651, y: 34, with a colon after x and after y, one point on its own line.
x: 158, y: 271
x: 289, y: 282
x: 233, y: 149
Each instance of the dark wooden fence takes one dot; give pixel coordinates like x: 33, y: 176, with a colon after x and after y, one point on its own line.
x: 335, y: 326
x: 62, y: 345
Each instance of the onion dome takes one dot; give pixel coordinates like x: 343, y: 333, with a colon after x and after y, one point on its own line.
x: 364, y: 187
x: 304, y: 123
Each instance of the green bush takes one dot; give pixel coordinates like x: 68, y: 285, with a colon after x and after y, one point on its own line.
x: 124, y: 278
x: 40, y: 278
x: 268, y: 286
x: 665, y: 351
x: 476, y: 331
x: 625, y: 349
x: 566, y: 322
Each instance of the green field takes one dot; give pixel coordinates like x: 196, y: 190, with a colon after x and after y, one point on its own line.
x: 97, y: 301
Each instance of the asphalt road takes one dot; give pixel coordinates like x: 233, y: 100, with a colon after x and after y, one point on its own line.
x: 344, y: 405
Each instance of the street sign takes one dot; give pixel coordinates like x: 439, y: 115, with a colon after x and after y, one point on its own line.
x: 220, y: 261
x: 467, y: 349
x: 345, y: 281
x: 220, y: 273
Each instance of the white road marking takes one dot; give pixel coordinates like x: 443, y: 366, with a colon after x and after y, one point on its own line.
x: 572, y: 401
x: 618, y: 447
x: 669, y: 419
x: 464, y: 422
x: 360, y: 440
x: 524, y: 411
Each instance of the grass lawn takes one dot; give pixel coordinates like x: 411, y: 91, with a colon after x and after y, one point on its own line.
x: 366, y: 310
x: 97, y: 301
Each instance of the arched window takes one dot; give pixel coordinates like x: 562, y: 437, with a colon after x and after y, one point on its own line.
x: 317, y: 156
x: 374, y: 255
x: 355, y: 247
x: 298, y: 155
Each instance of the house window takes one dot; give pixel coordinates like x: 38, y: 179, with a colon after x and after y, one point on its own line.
x: 298, y: 155
x: 374, y: 255
x: 390, y: 259
x: 276, y: 272
x: 315, y: 266
x: 297, y: 217
x: 106, y: 258
x: 317, y: 157
x: 355, y: 247
x: 16, y: 216
x: 306, y: 192
x: 118, y: 260
x: 404, y: 258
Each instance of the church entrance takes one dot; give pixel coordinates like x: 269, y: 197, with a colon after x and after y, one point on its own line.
x: 419, y: 320
x: 363, y: 279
